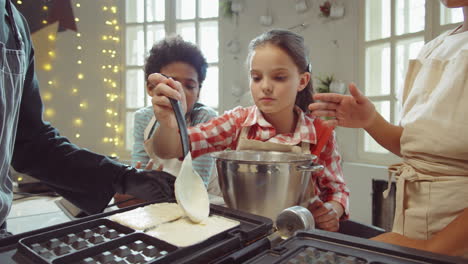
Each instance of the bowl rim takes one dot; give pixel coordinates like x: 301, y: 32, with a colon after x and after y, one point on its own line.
x: 301, y: 157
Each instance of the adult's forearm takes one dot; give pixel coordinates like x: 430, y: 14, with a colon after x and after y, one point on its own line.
x: 453, y: 239
x: 166, y: 143
x: 386, y: 134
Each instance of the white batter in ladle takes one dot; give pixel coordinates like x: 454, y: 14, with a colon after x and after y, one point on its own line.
x: 190, y: 190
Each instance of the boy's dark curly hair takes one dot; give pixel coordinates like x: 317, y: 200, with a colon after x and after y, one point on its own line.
x: 175, y: 49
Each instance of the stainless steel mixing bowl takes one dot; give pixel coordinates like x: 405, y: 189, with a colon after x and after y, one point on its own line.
x: 264, y: 182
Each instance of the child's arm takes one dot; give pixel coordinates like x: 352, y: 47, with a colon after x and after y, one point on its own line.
x: 330, y: 181
x: 168, y: 144
x: 357, y: 111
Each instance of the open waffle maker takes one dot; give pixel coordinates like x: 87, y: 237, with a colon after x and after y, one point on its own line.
x: 96, y: 239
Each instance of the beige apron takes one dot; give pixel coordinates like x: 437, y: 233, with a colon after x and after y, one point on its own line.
x: 432, y: 182
x: 249, y: 144
x: 171, y: 166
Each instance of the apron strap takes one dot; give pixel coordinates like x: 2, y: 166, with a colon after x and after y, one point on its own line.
x: 150, y: 128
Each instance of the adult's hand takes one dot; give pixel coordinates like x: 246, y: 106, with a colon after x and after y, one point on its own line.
x: 354, y: 111
x: 125, y: 200
x: 147, y: 185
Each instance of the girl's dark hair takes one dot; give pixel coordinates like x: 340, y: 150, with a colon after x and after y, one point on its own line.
x: 293, y: 45
x: 175, y: 49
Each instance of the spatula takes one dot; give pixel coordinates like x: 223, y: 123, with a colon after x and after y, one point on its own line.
x: 190, y: 190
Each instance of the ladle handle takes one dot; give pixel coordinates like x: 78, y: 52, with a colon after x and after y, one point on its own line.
x: 182, y: 126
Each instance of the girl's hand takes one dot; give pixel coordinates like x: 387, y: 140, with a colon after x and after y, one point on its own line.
x: 160, y: 88
x: 355, y: 110
x: 325, y: 215
x: 149, y: 166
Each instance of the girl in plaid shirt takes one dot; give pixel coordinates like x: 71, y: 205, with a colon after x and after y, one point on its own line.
x: 280, y: 84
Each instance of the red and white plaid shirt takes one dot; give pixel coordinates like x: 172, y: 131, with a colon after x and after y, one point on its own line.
x: 223, y: 132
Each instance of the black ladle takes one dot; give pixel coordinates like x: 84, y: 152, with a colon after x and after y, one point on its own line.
x: 182, y: 125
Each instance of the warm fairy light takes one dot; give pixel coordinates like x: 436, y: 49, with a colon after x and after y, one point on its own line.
x: 104, y: 8
x: 74, y: 91
x: 78, y: 35
x: 80, y: 76
x: 105, y: 140
x: 77, y: 19
x: 49, y: 112
x: 44, y: 21
x: 79, y: 47
x: 79, y: 61
x: 47, y: 96
x: 51, y: 54
x: 50, y: 82
x: 47, y: 67
x: 77, y: 135
x: 83, y: 105
x: 117, y: 28
x: 108, y: 124
x: 104, y: 37
x: 78, y: 122
x: 78, y: 5
x: 45, y: 8
x: 19, y: 2
x: 51, y: 37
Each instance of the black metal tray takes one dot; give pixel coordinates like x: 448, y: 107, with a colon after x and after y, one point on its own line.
x: 328, y: 247
x: 96, y: 239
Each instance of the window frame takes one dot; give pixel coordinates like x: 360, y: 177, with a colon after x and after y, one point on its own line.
x: 432, y: 29
x: 170, y: 25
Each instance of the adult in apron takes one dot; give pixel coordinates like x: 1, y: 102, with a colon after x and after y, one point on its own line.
x: 432, y: 181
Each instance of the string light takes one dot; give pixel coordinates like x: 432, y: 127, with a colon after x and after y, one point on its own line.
x: 47, y: 95
x: 111, y: 74
x: 78, y: 122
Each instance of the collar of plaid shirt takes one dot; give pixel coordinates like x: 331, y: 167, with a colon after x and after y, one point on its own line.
x: 304, y: 132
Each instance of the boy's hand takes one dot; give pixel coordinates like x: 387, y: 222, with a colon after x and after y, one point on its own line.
x: 160, y: 88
